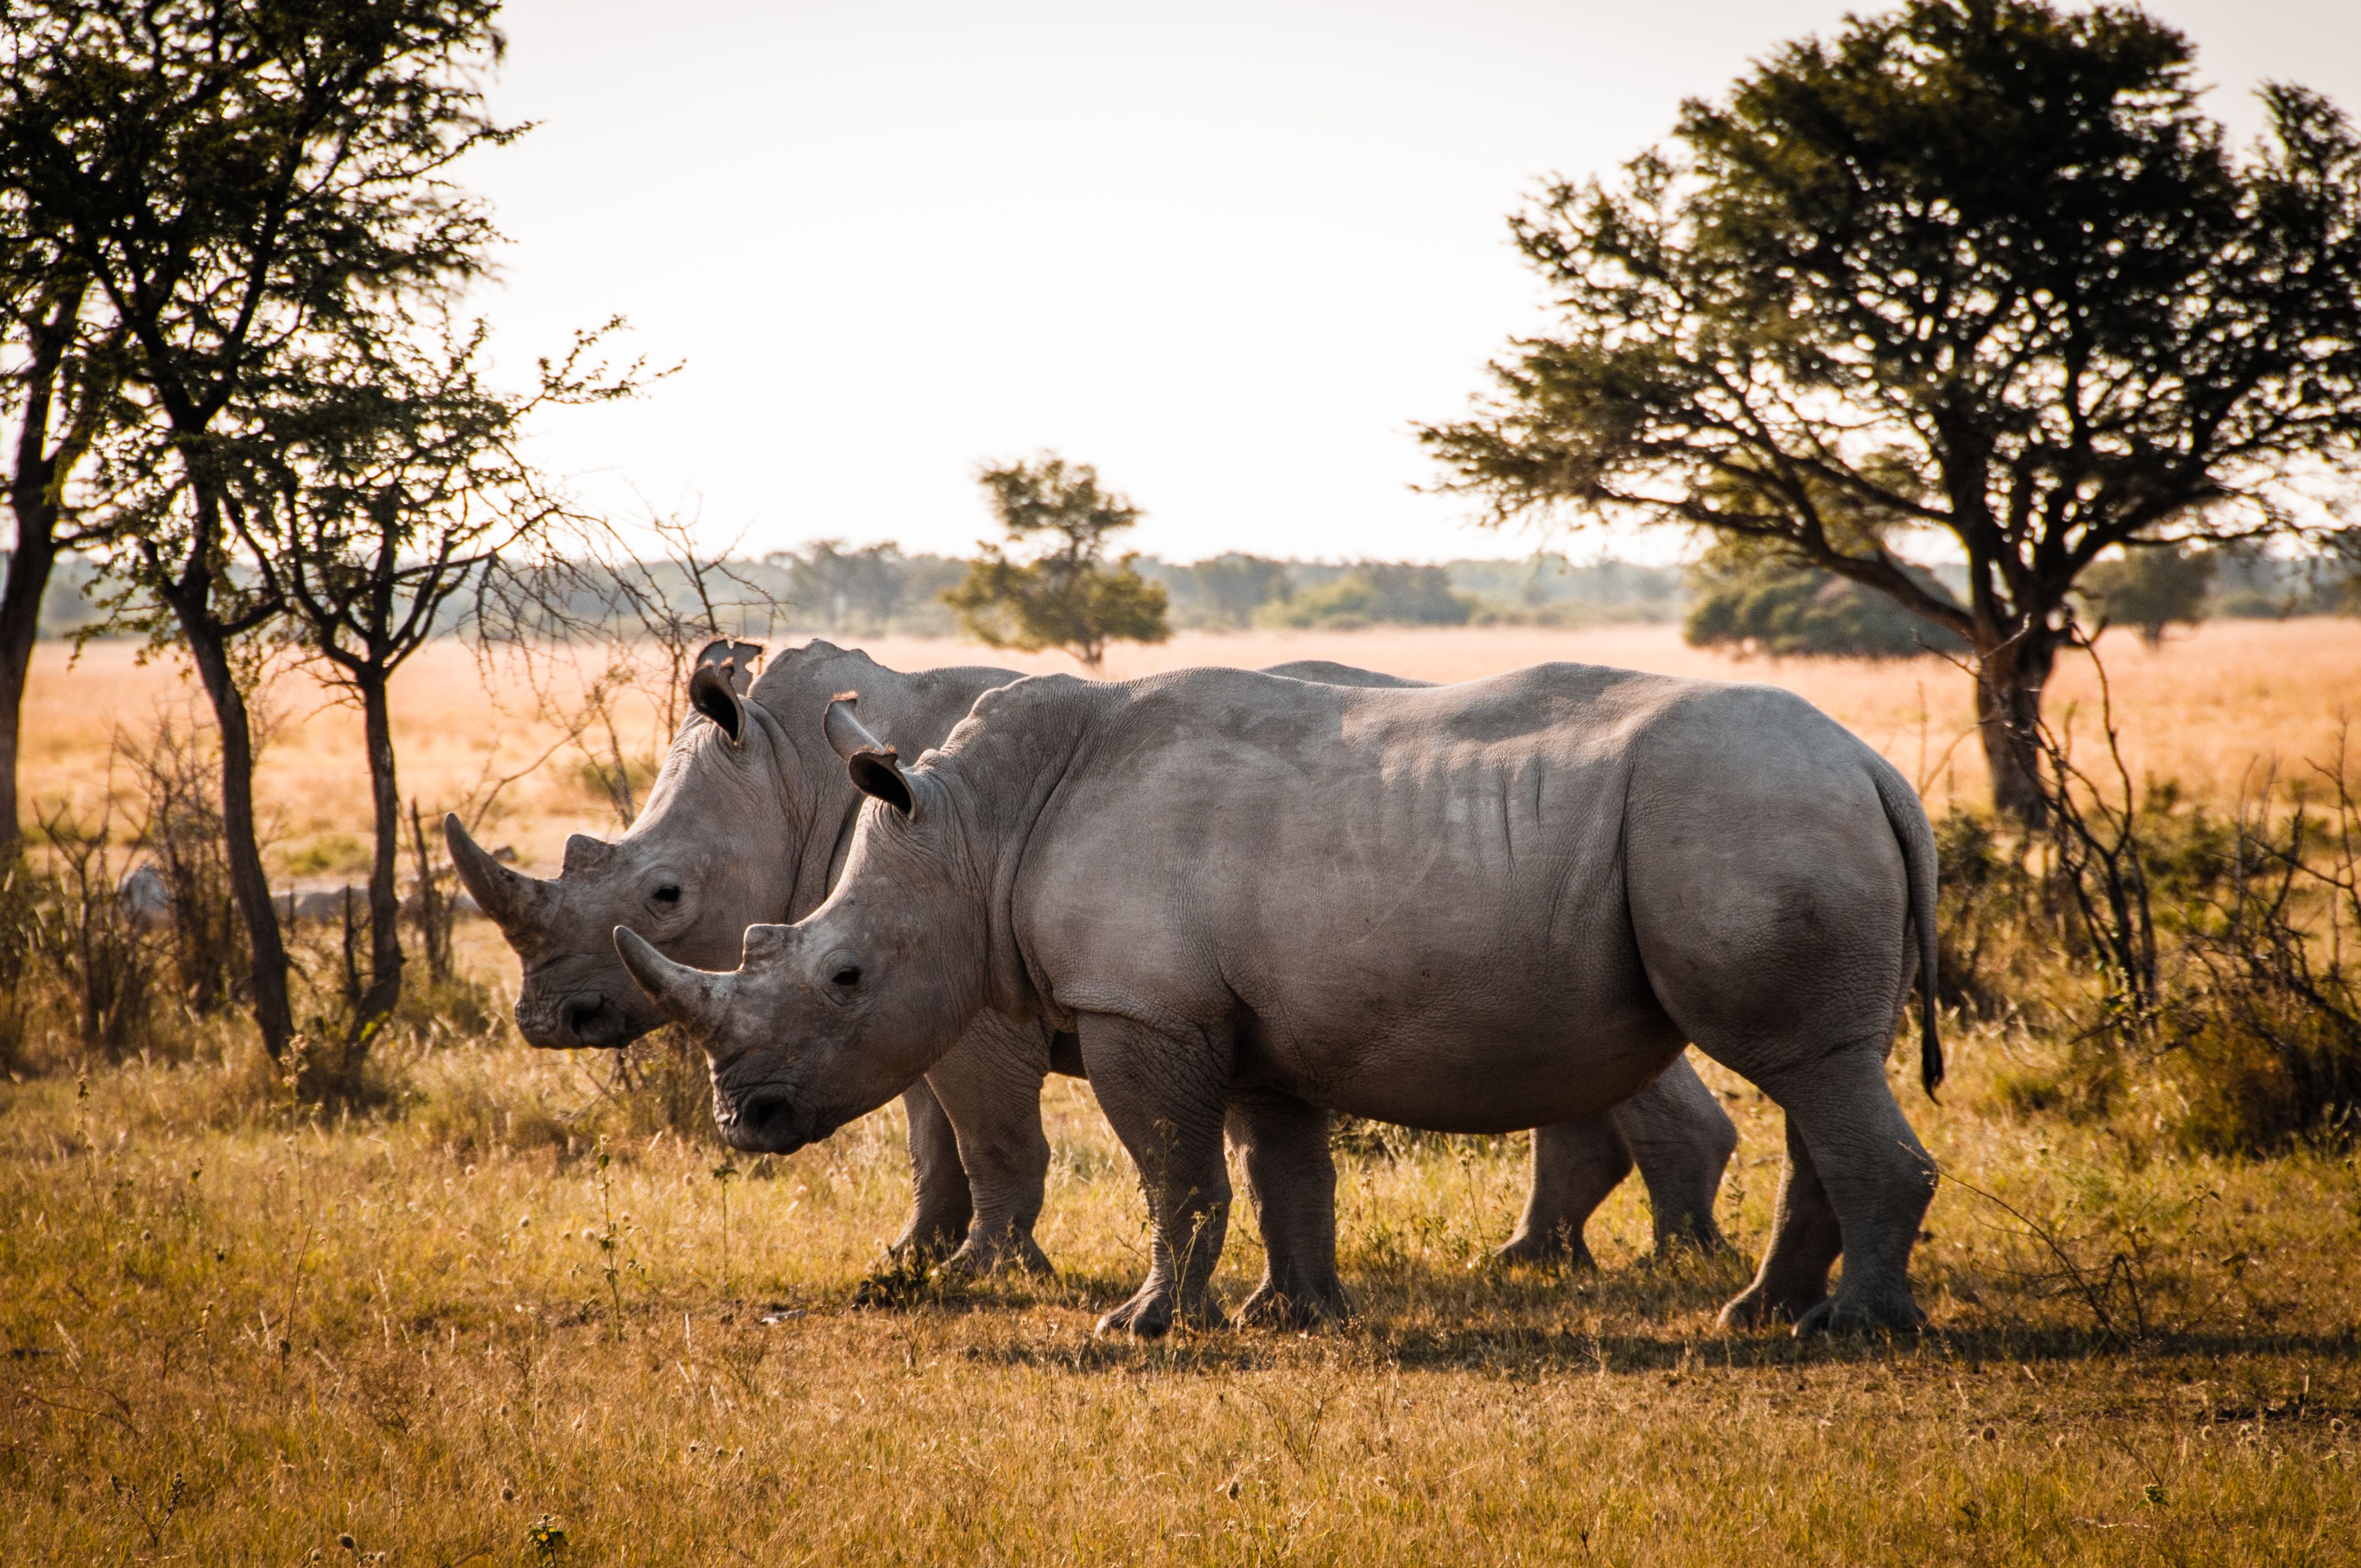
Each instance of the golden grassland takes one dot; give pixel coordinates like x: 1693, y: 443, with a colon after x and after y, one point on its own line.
x: 2204, y: 710
x: 240, y: 1333
x: 237, y: 1337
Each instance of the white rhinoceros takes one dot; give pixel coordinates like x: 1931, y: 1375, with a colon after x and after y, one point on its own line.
x: 748, y: 821
x: 1469, y: 907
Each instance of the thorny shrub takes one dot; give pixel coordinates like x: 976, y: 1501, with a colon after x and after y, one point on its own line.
x: 2142, y: 934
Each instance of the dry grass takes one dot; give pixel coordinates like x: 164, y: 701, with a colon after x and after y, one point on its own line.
x: 2202, y: 709
x: 236, y: 1340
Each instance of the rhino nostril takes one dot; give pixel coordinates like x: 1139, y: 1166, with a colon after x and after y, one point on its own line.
x: 765, y: 1110
x: 579, y: 1015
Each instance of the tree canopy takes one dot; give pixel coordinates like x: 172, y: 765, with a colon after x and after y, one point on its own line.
x: 1974, y: 271
x: 228, y: 187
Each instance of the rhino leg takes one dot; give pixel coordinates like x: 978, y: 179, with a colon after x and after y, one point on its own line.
x: 990, y: 1087
x: 1575, y: 1164
x: 1858, y: 1180
x: 1879, y: 1177
x: 1166, y: 1100
x: 1681, y: 1140
x: 1804, y: 1241
x: 1292, y: 1181
x: 939, y: 1221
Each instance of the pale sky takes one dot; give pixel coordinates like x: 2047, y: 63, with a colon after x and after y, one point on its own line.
x: 1227, y: 253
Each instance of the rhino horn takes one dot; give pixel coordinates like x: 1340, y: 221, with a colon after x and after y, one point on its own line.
x: 683, y: 994
x: 876, y: 767
x: 584, y: 854
x: 513, y: 899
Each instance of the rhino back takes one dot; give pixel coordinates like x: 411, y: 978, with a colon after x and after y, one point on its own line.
x: 1391, y: 895
x: 909, y: 710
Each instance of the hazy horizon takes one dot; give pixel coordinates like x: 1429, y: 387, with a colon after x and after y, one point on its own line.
x: 1229, y: 262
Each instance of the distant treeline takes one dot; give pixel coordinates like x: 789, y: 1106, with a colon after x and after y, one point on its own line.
x: 832, y: 588
x: 872, y: 591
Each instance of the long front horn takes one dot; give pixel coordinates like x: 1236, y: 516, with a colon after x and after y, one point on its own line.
x: 681, y: 993
x: 510, y: 898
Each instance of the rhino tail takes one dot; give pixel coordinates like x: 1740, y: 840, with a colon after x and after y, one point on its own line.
x: 1908, y: 817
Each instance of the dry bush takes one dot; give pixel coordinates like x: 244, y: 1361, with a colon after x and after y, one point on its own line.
x: 81, y: 978
x: 2268, y: 1009
x: 175, y: 771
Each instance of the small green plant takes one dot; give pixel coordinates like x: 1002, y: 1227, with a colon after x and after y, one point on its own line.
x: 723, y: 1175
x: 546, y: 1537
x: 609, y: 1242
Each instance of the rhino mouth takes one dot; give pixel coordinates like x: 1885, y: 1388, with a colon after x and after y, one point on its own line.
x: 583, y: 1020
x: 766, y: 1121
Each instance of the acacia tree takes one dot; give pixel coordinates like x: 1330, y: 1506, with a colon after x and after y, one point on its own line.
x: 376, y: 480
x: 1974, y: 270
x: 232, y: 176
x: 1068, y: 596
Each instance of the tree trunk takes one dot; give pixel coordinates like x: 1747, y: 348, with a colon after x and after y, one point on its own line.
x: 2010, y: 677
x: 20, y: 623
x: 433, y: 910
x: 385, y: 896
x: 246, y: 879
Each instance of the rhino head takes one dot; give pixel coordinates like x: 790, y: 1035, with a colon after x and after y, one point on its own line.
x: 716, y: 850
x: 824, y: 1021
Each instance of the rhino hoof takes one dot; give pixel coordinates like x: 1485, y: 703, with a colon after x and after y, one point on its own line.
x: 1291, y: 1312
x: 1758, y: 1308
x: 1017, y: 1254
x: 1151, y: 1314
x: 1692, y: 1241
x: 1550, y: 1249
x: 1885, y: 1313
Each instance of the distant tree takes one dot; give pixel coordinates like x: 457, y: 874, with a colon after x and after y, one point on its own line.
x: 1749, y: 598
x: 1378, y: 592
x: 2152, y: 589
x: 230, y: 179
x: 1978, y: 267
x: 846, y: 587
x: 1229, y: 590
x: 1066, y: 596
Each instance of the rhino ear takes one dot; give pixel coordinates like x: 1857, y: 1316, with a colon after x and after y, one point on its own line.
x: 710, y: 693
x: 735, y: 661
x: 875, y: 768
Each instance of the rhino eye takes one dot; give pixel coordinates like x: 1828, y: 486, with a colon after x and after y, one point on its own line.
x: 849, y: 975
x: 668, y: 893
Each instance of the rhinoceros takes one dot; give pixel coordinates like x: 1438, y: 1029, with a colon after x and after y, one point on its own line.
x: 1469, y: 908
x: 748, y: 821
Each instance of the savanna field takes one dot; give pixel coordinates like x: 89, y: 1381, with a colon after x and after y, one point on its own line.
x: 521, y: 1307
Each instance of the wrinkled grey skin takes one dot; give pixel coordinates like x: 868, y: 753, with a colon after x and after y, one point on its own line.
x: 752, y: 830
x: 1467, y: 907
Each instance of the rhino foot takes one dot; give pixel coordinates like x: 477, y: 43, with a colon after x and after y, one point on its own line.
x: 1868, y: 1311
x: 905, y: 1282
x: 977, y: 1258
x: 1303, y: 1308
x: 1756, y: 1307
x: 1693, y: 1240
x: 1547, y: 1249
x: 1153, y: 1312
